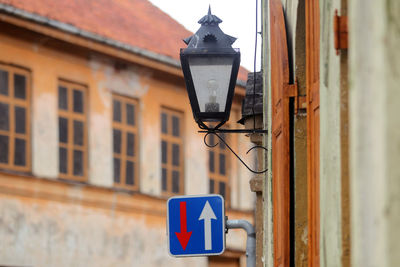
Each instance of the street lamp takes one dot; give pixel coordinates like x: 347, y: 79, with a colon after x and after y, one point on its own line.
x: 210, y: 66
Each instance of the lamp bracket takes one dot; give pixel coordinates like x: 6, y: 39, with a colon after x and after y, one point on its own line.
x: 216, y: 131
x: 247, y: 131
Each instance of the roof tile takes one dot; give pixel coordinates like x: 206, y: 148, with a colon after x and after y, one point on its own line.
x: 135, y: 22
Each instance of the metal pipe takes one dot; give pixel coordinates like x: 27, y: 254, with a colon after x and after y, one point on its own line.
x: 251, y: 239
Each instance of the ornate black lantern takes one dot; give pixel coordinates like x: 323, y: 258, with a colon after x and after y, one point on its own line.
x: 210, y: 66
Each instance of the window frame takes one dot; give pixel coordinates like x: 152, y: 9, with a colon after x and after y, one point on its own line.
x: 70, y: 115
x: 171, y: 139
x: 12, y: 102
x: 124, y: 127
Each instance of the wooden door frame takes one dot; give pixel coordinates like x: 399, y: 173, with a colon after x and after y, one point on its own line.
x: 313, y: 145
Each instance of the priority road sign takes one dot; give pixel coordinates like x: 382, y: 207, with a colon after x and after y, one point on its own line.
x: 196, y: 225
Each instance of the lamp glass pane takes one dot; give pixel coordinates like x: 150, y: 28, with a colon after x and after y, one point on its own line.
x: 211, y: 77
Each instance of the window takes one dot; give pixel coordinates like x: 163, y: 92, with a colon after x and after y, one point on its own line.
x: 14, y: 119
x: 72, y: 131
x: 218, y: 167
x: 125, y: 142
x: 171, y: 152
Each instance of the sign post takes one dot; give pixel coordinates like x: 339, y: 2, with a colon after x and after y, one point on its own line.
x: 196, y: 225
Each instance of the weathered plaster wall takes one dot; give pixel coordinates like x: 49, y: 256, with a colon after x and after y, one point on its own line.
x: 245, y: 196
x: 375, y: 137
x: 45, y: 222
x: 44, y: 141
x: 37, y: 233
x: 267, y: 142
x: 330, y: 154
x: 235, y: 185
x: 392, y: 56
x: 109, y: 80
x: 241, y: 196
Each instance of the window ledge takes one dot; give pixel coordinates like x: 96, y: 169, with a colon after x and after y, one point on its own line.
x: 25, y: 185
x: 74, y: 192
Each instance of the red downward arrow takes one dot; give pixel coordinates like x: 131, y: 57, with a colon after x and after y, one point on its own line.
x: 184, y: 235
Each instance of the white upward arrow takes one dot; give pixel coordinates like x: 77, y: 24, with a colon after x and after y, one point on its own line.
x: 207, y: 214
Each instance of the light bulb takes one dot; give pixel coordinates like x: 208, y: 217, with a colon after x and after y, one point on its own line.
x: 212, y: 105
x: 212, y: 86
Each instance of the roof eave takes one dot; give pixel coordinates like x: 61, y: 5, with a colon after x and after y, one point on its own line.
x: 68, y: 28
x: 92, y: 36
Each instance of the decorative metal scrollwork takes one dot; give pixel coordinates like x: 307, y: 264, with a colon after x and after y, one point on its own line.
x: 214, y: 132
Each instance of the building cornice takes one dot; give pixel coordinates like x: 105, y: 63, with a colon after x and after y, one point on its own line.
x: 70, y: 192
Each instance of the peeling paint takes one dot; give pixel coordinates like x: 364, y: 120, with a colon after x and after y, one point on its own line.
x: 126, y: 81
x: 44, y: 141
x: 304, y: 235
x: 64, y: 235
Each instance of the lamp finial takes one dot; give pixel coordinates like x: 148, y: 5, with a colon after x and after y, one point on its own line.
x: 210, y: 19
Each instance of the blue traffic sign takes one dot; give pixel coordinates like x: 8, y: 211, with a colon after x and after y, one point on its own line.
x: 196, y: 225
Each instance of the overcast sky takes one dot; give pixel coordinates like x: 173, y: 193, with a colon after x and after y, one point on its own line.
x: 238, y: 18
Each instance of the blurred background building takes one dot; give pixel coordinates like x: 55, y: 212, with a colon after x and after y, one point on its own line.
x: 96, y: 132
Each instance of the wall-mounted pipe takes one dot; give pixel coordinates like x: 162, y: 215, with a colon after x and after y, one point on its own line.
x: 251, y: 239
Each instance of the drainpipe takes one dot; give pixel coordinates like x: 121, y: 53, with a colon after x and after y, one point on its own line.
x: 251, y: 239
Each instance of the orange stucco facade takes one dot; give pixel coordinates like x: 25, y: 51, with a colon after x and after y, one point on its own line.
x: 47, y: 221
